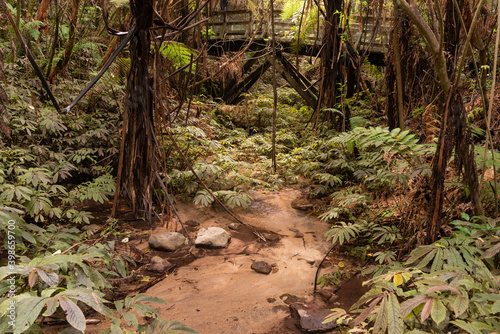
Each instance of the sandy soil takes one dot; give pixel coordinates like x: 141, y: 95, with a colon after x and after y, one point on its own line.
x: 219, y: 293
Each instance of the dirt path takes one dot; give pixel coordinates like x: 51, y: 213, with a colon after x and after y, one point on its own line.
x: 219, y: 293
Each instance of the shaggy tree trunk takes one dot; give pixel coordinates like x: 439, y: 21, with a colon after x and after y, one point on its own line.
x: 454, y: 132
x: 332, y: 74
x: 138, y: 152
x: 68, y: 49
x: 41, y: 13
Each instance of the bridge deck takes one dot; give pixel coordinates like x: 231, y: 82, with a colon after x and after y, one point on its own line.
x: 240, y: 25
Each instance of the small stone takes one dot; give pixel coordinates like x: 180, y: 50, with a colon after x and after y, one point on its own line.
x: 156, y: 267
x: 233, y: 226
x: 271, y: 236
x: 271, y: 300
x: 311, y: 317
x: 262, y: 267
x: 159, y: 265
x: 91, y: 227
x: 299, y: 235
x: 215, y: 237
x: 191, y: 222
x: 167, y: 241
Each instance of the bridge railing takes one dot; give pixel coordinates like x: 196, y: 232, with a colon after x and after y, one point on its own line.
x: 243, y: 24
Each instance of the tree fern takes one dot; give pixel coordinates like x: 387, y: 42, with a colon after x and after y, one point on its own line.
x: 179, y: 54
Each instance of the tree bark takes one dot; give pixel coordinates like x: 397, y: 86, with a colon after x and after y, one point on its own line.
x: 332, y: 75
x: 138, y: 153
x: 68, y: 49
x: 41, y: 13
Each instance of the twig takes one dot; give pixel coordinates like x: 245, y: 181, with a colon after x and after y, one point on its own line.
x: 319, y: 267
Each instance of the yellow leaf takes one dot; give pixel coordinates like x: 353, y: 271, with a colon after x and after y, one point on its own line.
x: 341, y: 264
x: 398, y: 279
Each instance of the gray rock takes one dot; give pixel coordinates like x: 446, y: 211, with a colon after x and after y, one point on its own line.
x: 167, y: 241
x: 262, y: 267
x: 311, y: 317
x: 215, y: 237
x: 159, y: 265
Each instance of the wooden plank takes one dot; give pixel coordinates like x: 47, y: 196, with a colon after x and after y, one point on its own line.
x: 308, y: 97
x: 233, y: 96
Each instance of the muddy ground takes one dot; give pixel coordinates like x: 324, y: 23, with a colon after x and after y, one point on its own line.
x: 215, y: 291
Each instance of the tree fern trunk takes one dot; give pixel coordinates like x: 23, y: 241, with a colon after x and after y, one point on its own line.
x: 332, y: 75
x: 138, y: 152
x: 68, y: 49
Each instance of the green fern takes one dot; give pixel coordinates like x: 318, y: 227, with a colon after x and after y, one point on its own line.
x: 179, y: 54
x: 343, y: 232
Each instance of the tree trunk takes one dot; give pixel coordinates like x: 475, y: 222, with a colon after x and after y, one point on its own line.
x: 68, y: 49
x: 41, y: 13
x: 138, y: 152
x: 332, y: 75
x: 55, y: 39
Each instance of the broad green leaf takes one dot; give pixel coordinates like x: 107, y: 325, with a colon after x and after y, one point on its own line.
x: 466, y: 326
x: 460, y: 305
x: 495, y: 308
x: 52, y: 305
x: 438, y: 312
x: 142, y: 298
x: 28, y: 309
x: 145, y: 310
x: 131, y: 319
x: 175, y: 326
x: 380, y: 325
x: 395, y: 321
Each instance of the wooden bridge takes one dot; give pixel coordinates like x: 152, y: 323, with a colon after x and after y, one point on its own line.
x: 231, y: 30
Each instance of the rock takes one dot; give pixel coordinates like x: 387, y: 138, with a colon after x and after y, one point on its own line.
x: 191, y: 222
x: 299, y: 235
x: 215, y: 237
x: 234, y: 226
x: 311, y: 317
x: 159, y: 265
x: 301, y: 205
x: 261, y: 267
x: 91, y: 227
x: 271, y: 236
x: 167, y: 241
